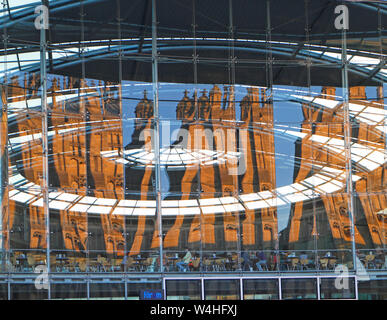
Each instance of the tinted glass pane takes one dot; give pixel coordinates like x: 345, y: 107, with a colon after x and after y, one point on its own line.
x: 69, y: 291
x: 372, y: 290
x: 299, y: 289
x: 27, y: 292
x: 254, y: 289
x: 338, y: 288
x: 221, y: 289
x: 183, y: 290
x: 107, y: 291
x: 134, y: 288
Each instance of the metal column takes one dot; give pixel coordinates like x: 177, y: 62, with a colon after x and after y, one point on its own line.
x: 347, y: 142
x: 44, y: 110
x: 156, y: 131
x: 4, y: 152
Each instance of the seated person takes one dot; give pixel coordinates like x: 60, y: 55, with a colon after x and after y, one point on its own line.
x: 182, y: 265
x: 261, y: 260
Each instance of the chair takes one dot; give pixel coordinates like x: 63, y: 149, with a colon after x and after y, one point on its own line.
x: 40, y: 259
x: 332, y: 263
x: 14, y: 263
x: 234, y: 260
x: 324, y: 263
x: 106, y: 264
x: 369, y: 261
x: 146, y: 266
x: 284, y: 263
x: 294, y: 263
x: 71, y: 264
x: 101, y: 263
x: 94, y: 265
x: 196, y: 264
x: 31, y: 261
x: 116, y: 263
x: 130, y: 264
x: 207, y: 264
x: 82, y: 265
x: 168, y: 264
x: 220, y: 264
x: 304, y: 264
x: 53, y: 262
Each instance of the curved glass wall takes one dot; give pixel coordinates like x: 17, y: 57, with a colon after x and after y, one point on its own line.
x: 209, y: 146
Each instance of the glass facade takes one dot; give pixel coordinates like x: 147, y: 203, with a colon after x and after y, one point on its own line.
x: 243, y: 141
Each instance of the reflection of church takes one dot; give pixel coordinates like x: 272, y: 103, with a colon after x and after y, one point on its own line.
x: 328, y: 219
x: 89, y: 125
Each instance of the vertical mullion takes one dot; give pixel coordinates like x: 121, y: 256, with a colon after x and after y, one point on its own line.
x: 382, y: 58
x: 197, y: 122
x: 279, y: 288
x: 121, y: 114
x: 4, y: 188
x: 318, y: 288
x: 347, y: 141
x: 202, y: 287
x: 269, y: 99
x: 156, y: 130
x: 232, y: 84
x: 45, y: 177
x: 309, y: 84
x: 241, y: 295
x: 83, y: 110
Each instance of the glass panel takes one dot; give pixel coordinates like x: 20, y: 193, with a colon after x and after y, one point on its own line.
x: 337, y: 288
x: 26, y: 219
x: 299, y: 289
x: 372, y: 290
x: 371, y: 224
x: 260, y: 289
x: 134, y: 288
x: 222, y: 289
x: 107, y: 291
x: 27, y: 292
x: 184, y: 289
x: 3, y: 291
x: 62, y: 291
x: 255, y: 169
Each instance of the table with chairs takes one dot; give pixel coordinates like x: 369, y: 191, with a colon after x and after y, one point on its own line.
x: 171, y: 261
x: 375, y: 259
x: 206, y: 261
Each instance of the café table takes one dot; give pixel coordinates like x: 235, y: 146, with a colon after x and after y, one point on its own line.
x: 138, y: 260
x: 21, y: 261
x: 330, y: 260
x: 171, y: 266
x: 61, y: 261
